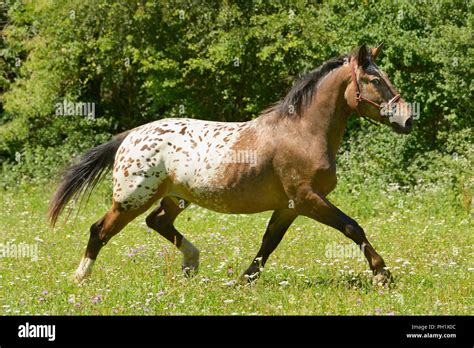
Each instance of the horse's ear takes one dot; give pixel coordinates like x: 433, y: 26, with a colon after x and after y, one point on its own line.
x: 375, y: 51
x: 362, y: 55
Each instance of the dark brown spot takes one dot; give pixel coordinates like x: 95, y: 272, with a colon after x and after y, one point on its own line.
x: 163, y: 131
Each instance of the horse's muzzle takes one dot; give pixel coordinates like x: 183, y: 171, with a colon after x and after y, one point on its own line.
x: 402, y: 126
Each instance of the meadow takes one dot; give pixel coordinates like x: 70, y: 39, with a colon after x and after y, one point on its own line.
x: 424, y: 234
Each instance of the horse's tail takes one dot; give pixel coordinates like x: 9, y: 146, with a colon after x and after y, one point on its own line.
x: 85, y: 175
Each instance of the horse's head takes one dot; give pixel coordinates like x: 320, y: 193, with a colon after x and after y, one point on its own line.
x: 372, y: 94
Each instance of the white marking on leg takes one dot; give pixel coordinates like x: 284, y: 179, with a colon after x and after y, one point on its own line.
x: 190, y: 256
x: 84, y: 270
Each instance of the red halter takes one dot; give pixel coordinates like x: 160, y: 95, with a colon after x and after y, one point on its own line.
x: 360, y: 97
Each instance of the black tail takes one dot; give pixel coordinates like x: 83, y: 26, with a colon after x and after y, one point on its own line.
x: 85, y: 175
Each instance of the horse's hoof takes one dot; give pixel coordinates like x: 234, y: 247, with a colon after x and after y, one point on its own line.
x: 382, y: 278
x: 77, y: 278
x: 249, y: 278
x: 190, y: 265
x: 190, y: 270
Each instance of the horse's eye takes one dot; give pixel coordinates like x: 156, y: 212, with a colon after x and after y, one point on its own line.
x: 375, y: 82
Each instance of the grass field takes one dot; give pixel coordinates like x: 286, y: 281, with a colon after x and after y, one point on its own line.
x: 425, y: 236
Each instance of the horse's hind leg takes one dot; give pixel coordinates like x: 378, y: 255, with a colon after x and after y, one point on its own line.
x: 161, y: 220
x: 276, y: 229
x: 101, y: 232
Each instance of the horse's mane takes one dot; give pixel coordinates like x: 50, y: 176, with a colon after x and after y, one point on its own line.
x: 301, y: 94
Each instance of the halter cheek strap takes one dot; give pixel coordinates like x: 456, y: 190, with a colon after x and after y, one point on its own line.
x: 360, y: 98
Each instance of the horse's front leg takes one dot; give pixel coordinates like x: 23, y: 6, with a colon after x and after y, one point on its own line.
x: 317, y: 207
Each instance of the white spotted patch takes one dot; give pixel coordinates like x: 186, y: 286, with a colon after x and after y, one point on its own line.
x: 190, y: 153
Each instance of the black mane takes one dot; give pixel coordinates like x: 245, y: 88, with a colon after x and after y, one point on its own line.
x: 301, y: 94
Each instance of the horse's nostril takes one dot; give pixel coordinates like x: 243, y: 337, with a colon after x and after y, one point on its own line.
x: 409, y: 123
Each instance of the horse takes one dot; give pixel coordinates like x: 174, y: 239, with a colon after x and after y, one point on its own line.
x: 179, y: 161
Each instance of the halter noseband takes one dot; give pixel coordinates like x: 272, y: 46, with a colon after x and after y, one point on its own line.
x: 360, y: 98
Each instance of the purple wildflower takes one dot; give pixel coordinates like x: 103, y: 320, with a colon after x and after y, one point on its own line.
x: 97, y: 299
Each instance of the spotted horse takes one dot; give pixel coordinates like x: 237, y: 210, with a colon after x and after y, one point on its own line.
x: 179, y: 161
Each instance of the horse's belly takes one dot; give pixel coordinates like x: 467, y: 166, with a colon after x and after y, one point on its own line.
x: 234, y: 200
x: 244, y: 190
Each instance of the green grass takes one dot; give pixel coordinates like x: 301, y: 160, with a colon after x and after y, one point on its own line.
x: 426, y: 238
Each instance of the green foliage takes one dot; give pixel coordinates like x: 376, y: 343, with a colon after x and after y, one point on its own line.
x: 141, y: 61
x: 36, y: 162
x: 374, y: 156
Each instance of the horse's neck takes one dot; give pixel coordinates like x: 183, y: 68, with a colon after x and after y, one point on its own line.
x: 326, y: 118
